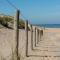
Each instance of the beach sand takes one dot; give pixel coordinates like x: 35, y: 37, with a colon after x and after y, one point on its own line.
x: 51, y: 39
x: 52, y: 30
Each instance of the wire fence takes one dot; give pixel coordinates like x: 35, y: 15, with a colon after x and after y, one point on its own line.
x: 14, y: 16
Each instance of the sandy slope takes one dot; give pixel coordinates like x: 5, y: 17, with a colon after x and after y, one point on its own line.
x: 52, y: 37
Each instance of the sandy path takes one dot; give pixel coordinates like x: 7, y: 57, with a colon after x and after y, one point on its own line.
x: 6, y: 41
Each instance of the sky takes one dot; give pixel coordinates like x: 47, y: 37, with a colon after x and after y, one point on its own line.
x: 36, y: 11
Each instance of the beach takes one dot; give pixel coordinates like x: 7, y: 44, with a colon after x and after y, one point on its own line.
x: 53, y: 30
x: 51, y: 40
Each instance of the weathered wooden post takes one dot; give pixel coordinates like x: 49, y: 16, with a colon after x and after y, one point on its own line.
x: 26, y: 30
x: 16, y: 33
x: 35, y: 36
x: 41, y: 34
x: 31, y: 36
x: 38, y: 36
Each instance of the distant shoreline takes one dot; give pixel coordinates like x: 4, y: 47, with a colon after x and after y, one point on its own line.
x: 49, y: 25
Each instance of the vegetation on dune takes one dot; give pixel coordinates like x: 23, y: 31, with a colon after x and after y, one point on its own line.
x: 9, y: 21
x: 21, y: 24
x: 4, y: 21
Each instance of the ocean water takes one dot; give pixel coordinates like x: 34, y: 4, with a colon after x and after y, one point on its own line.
x: 49, y: 25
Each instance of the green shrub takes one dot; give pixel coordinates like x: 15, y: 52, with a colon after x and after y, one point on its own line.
x: 6, y: 20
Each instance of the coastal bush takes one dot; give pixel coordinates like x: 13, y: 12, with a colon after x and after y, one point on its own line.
x: 9, y: 21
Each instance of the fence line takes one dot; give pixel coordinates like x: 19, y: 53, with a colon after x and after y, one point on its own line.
x: 38, y: 34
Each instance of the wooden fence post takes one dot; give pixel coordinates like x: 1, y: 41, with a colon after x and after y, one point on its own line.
x: 16, y: 33
x: 35, y: 37
x: 31, y: 36
x: 41, y: 34
x: 26, y: 30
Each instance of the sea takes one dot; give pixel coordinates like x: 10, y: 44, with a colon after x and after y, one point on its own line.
x: 49, y: 25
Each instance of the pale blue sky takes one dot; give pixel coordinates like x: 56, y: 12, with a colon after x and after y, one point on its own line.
x: 36, y: 11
